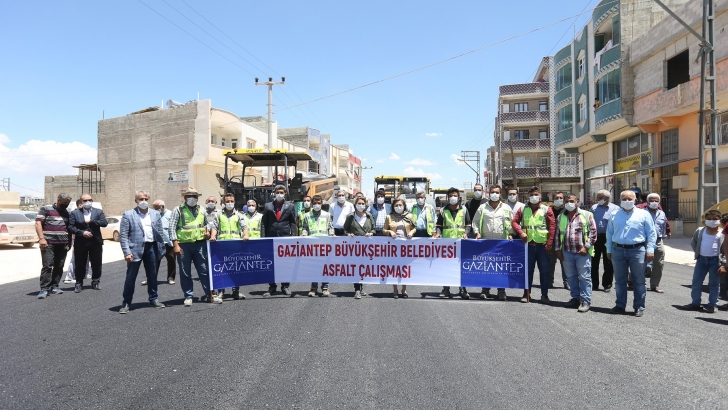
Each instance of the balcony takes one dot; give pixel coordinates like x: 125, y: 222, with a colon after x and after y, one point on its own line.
x: 563, y: 54
x: 568, y: 170
x: 564, y: 137
x: 610, y: 56
x: 527, y: 145
x: 603, y: 11
x: 524, y: 117
x: 563, y: 95
x: 528, y: 172
x: 527, y: 88
x: 608, y: 112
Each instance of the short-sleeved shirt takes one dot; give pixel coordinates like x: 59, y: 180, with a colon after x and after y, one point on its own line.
x: 55, y: 224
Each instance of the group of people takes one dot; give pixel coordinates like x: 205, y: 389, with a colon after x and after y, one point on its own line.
x: 627, y: 239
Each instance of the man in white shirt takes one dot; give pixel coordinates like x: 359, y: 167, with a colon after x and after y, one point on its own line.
x: 339, y: 211
x: 515, y: 205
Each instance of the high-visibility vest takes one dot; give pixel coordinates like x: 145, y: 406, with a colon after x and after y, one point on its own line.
x: 253, y: 223
x: 190, y: 228
x: 317, y: 226
x: 428, y: 217
x: 584, y: 216
x: 228, y: 228
x: 453, y: 228
x: 301, y: 215
x: 535, y: 224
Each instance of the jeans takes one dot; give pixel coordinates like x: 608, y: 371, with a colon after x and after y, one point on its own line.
x: 537, y: 254
x: 578, y: 274
x: 706, y: 265
x: 657, y: 264
x: 53, y: 258
x: 149, y: 258
x: 600, y: 252
x: 626, y: 261
x: 193, y: 252
x: 324, y: 285
x: 552, y: 268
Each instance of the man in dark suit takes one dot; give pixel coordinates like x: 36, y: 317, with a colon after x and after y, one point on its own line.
x: 279, y: 219
x: 86, y: 224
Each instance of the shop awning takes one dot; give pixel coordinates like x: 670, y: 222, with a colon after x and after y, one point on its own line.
x: 645, y: 168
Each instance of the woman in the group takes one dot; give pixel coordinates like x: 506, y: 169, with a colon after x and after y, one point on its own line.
x: 359, y: 223
x: 399, y: 224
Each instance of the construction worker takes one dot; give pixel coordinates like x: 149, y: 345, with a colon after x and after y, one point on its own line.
x: 229, y: 225
x: 424, y: 215
x: 493, y: 221
x: 453, y: 222
x: 253, y: 220
x: 317, y: 223
x: 306, y: 209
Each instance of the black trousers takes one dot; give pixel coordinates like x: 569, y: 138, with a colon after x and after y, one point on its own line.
x: 53, y: 257
x: 171, y: 262
x: 87, y: 249
x: 600, y: 252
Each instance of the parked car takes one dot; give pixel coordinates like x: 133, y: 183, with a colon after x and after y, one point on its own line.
x: 16, y: 228
x: 28, y: 214
x: 111, y: 231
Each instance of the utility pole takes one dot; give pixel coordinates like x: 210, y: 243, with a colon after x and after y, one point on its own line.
x: 6, y: 184
x: 472, y: 156
x: 708, y: 118
x: 270, y: 83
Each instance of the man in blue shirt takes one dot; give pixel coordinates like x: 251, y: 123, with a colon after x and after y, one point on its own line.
x: 631, y: 241
x: 662, y: 228
x: 603, y: 211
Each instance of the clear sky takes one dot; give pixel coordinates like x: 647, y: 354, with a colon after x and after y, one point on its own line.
x: 65, y: 64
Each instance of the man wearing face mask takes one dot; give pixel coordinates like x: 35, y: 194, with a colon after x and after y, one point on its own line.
x: 453, y: 222
x: 86, y: 224
x: 159, y: 206
x: 662, y: 228
x: 339, y: 211
x: 475, y: 203
x: 279, y: 219
x: 379, y: 211
x: 306, y: 209
x: 603, y: 211
x: 228, y: 225
x: 631, y: 241
x: 210, y: 214
x: 51, y: 225
x: 557, y: 208
x: 142, y: 241
x: 253, y: 220
x: 493, y: 221
x: 515, y: 206
x: 317, y: 223
x: 187, y: 232
x: 536, y: 225
x: 424, y: 215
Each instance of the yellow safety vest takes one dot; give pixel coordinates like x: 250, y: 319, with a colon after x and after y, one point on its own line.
x: 535, y: 224
x: 228, y: 228
x: 253, y: 223
x: 584, y: 216
x: 317, y: 226
x: 453, y: 228
x: 301, y: 215
x: 428, y: 217
x: 507, y: 219
x: 190, y: 228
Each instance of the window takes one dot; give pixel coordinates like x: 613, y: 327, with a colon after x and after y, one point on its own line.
x: 234, y: 143
x: 563, y: 77
x: 669, y: 146
x: 565, y: 117
x: 522, y: 162
x: 544, y: 161
x: 678, y: 70
x: 520, y: 107
x: 543, y: 106
x: 569, y: 160
x: 582, y: 68
x: 616, y: 27
x: 222, y: 141
x: 633, y: 145
x: 543, y: 134
x: 645, y: 142
x: 520, y: 134
x: 723, y: 129
x: 213, y: 139
x: 609, y: 87
x: 581, y: 115
x: 250, y: 143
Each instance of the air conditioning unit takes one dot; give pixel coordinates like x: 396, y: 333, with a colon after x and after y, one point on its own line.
x: 680, y: 182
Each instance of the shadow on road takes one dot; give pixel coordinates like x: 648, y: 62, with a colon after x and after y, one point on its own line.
x: 712, y: 320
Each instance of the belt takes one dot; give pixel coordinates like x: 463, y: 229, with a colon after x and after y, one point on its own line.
x: 634, y: 246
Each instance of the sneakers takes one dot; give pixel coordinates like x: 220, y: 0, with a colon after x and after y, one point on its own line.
x: 157, y: 304
x: 188, y: 301
x: 583, y: 307
x: 709, y: 309
x: 617, y: 310
x: 445, y: 293
x: 464, y: 294
x: 526, y: 297
x: 95, y: 285
x: 42, y: 294
x: 170, y: 281
x: 639, y: 313
x: 312, y: 292
x: 502, y: 294
x: 124, y: 309
x: 405, y: 295
x: 325, y: 292
x: 286, y: 291
x: 217, y: 298
x: 144, y: 283
x: 485, y: 293
x: 607, y: 290
x: 362, y: 292
x: 271, y: 291
x: 78, y: 288
x: 545, y: 300
x: 573, y: 303
x: 56, y: 291
x: 357, y: 294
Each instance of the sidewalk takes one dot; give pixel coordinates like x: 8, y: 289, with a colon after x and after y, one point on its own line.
x: 678, y: 251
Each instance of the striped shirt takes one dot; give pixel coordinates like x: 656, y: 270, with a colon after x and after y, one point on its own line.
x: 55, y: 225
x: 574, y: 233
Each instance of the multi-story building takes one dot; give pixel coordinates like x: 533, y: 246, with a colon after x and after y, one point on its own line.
x: 524, y: 138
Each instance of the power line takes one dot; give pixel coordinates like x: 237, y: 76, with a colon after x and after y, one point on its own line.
x: 29, y: 189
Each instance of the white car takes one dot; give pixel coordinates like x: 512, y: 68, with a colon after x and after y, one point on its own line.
x: 16, y: 228
x: 111, y: 231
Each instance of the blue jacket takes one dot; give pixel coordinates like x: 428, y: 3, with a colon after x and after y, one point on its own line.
x: 132, y: 233
x: 77, y: 225
x: 374, y: 211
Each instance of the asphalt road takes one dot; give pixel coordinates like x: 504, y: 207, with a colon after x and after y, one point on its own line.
x: 76, y: 351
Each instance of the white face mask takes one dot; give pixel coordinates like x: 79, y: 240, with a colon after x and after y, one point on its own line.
x: 143, y: 204
x: 454, y: 200
x: 654, y: 205
x: 495, y: 197
x: 191, y: 201
x: 307, y: 204
x: 477, y: 194
x: 361, y: 207
x: 251, y: 209
x: 87, y: 204
x: 512, y: 198
x: 399, y: 209
x: 280, y: 197
x: 380, y: 200
x: 534, y: 199
x: 601, y: 202
x: 340, y: 199
x: 559, y: 203
x: 420, y: 201
x: 627, y: 205
x: 712, y: 224
x: 316, y: 207
x: 230, y: 206
x: 211, y: 205
x: 570, y: 206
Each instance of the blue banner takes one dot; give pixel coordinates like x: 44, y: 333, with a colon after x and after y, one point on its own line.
x: 240, y: 263
x: 493, y: 264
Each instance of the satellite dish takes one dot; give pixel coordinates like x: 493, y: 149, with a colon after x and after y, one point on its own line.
x: 173, y: 103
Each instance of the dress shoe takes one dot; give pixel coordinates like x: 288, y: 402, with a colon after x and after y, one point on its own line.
x: 545, y: 300
x: 709, y: 309
x: 617, y: 310
x: 573, y: 303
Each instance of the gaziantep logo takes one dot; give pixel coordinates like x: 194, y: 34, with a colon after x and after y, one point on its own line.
x: 242, y: 262
x: 493, y: 264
